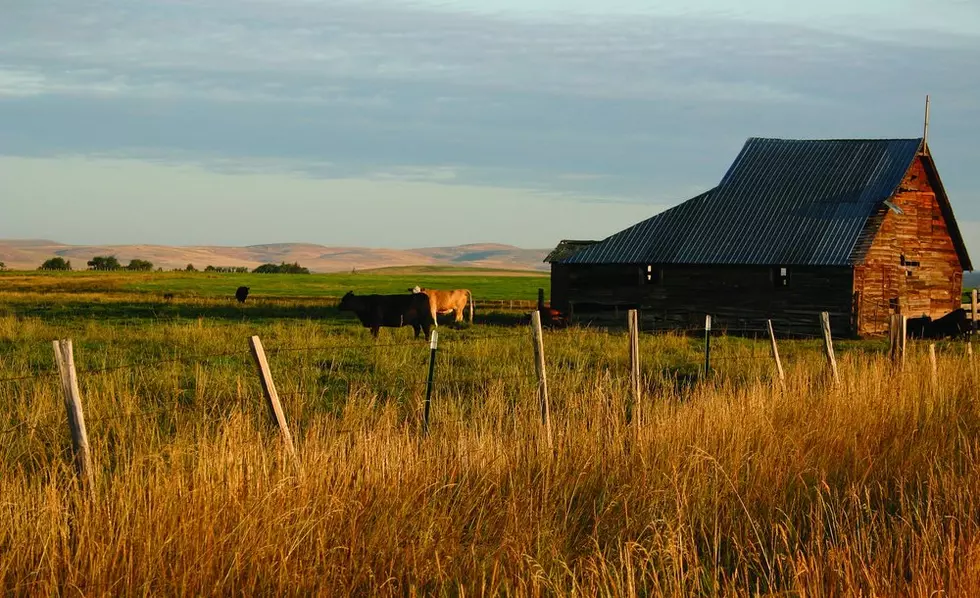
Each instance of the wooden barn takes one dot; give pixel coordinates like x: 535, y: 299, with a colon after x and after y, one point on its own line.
x: 859, y: 228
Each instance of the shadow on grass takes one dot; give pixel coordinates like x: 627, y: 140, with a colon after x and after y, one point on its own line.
x: 134, y: 311
x: 114, y: 311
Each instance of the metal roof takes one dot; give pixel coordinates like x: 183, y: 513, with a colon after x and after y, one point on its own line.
x: 566, y: 248
x: 785, y: 202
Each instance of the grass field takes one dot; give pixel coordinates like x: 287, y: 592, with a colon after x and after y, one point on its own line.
x: 485, y: 284
x: 727, y: 484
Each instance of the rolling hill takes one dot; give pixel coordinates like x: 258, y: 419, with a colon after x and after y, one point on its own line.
x: 31, y: 253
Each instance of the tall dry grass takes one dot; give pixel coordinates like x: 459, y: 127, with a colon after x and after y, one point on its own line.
x: 728, y: 486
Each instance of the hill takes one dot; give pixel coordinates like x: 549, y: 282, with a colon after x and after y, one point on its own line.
x: 30, y: 253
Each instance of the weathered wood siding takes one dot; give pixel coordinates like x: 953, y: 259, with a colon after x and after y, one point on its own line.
x: 737, y: 297
x: 932, y: 283
x: 559, y: 287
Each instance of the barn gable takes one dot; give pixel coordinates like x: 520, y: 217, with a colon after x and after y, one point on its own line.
x: 782, y: 202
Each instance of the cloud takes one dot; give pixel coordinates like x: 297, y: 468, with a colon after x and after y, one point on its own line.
x: 306, y: 50
x: 649, y: 109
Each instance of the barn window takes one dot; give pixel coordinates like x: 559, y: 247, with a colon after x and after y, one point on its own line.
x: 908, y: 263
x: 780, y: 277
x: 652, y: 275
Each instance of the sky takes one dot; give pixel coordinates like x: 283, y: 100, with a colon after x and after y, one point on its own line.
x: 388, y: 123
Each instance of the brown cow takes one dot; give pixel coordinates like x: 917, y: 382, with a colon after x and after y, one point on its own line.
x: 443, y: 302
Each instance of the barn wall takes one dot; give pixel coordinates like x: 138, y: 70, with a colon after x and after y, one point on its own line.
x: 737, y: 297
x: 883, y: 285
x: 559, y: 287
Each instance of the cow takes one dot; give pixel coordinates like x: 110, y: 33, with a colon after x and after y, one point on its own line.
x: 168, y: 296
x: 393, y: 311
x: 443, y: 302
x: 952, y: 324
x: 241, y: 294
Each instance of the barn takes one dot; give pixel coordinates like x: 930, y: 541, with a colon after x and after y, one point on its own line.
x: 859, y: 228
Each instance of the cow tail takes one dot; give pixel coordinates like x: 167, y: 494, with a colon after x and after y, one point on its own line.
x: 470, y: 296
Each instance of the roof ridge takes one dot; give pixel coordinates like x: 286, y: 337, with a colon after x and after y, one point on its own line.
x: 831, y: 139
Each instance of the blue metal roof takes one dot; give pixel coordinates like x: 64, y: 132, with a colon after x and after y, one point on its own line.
x: 785, y: 202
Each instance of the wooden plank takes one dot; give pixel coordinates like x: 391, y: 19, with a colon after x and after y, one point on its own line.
x: 65, y: 358
x: 775, y: 354
x: 829, y: 346
x: 271, y: 395
x: 903, y: 336
x: 707, y: 345
x: 433, y: 347
x: 539, y: 366
x: 897, y: 338
x: 634, y: 343
x: 973, y: 312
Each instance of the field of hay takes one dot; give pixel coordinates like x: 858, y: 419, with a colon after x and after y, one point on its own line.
x: 727, y: 485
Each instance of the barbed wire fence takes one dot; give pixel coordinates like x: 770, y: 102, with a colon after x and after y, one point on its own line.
x: 68, y: 376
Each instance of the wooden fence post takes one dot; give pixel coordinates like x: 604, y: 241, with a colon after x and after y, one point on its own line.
x: 896, y: 339
x: 433, y: 347
x: 707, y: 345
x: 271, y: 395
x: 65, y: 358
x: 902, y: 337
x: 634, y: 337
x: 775, y: 354
x: 829, y: 345
x: 540, y: 299
x: 973, y: 312
x: 539, y: 365
x: 933, y: 367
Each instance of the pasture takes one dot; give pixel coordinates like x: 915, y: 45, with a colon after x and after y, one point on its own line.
x: 723, y: 484
x: 485, y: 284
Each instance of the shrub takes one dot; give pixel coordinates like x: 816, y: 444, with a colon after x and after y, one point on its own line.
x: 104, y: 262
x: 140, y: 265
x: 56, y: 263
x: 282, y: 268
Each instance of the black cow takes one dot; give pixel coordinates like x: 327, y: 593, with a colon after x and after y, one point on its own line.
x: 392, y: 311
x: 952, y: 324
x: 241, y: 294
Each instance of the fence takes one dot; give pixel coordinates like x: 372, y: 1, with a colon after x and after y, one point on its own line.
x: 69, y: 378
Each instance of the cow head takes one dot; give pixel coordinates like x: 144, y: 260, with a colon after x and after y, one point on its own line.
x: 347, y: 301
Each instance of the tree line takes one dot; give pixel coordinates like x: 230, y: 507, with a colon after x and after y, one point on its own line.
x: 110, y: 263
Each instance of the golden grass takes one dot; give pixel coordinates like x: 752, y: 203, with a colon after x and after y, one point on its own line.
x: 728, y: 487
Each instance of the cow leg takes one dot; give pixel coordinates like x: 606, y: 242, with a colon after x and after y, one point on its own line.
x: 417, y: 329
x: 374, y: 331
x: 459, y: 315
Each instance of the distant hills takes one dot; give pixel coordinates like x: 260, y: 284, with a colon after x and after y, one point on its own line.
x: 31, y: 253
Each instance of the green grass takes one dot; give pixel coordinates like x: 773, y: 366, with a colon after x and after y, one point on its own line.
x: 490, y: 284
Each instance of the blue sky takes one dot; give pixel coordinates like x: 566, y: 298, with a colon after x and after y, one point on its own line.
x: 407, y: 124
